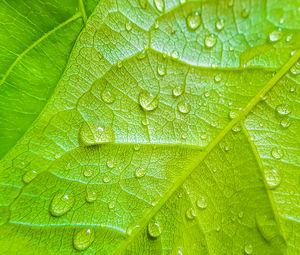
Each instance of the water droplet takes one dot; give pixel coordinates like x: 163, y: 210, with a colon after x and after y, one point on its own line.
x: 295, y: 69
x: 110, y: 163
x: 128, y: 25
x: 277, y: 153
x: 218, y: 77
x: 91, y: 196
x: 111, y: 205
x: 174, y: 55
x: 156, y: 24
x: 201, y: 203
x: 272, y: 178
x: 275, y: 35
x: 285, y: 122
x: 147, y: 101
x: 83, y: 239
x: 193, y: 21
x: 61, y: 204
x: 233, y: 114
x: 220, y: 23
x: 140, y: 172
x: 145, y: 122
x: 143, y: 3
x: 160, y: 5
x: 161, y: 69
x: 190, y: 213
x: 107, y: 97
x: 245, y: 13
x: 106, y: 179
x: 92, y: 133
x: 210, y: 41
x: 236, y: 128
x: 154, y: 229
x: 283, y: 109
x: 184, y: 136
x: 29, y: 176
x: 119, y: 64
x: 248, y: 249
x: 137, y: 147
x: 218, y: 228
x: 87, y: 172
x: 241, y: 214
x: 177, y: 91
x: 226, y: 148
x: 184, y: 107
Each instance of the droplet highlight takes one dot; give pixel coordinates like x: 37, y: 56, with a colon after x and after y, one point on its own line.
x: 29, y: 176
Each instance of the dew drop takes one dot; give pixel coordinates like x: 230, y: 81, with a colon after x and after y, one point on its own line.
x: 285, y: 122
x: 218, y: 77
x: 220, y: 23
x: 147, y: 101
x: 29, y: 176
x: 61, y: 204
x: 233, y: 114
x: 119, y: 64
x: 177, y: 91
x: 201, y: 203
x: 140, y: 172
x: 92, y: 133
x: 91, y: 196
x: 143, y: 3
x: 174, y: 55
x: 145, y: 122
x: 154, y: 229
x: 248, y: 249
x: 110, y: 163
x: 245, y: 13
x: 241, y: 215
x: 83, y: 239
x: 106, y: 179
x: 283, y: 109
x: 193, y: 20
x: 277, y: 153
x: 161, y: 70
x: 184, y: 107
x: 210, y: 41
x: 160, y: 5
x: 190, y: 213
x: 111, y: 205
x: 295, y: 69
x: 184, y: 136
x: 137, y: 147
x: 275, y: 35
x: 236, y: 128
x: 156, y: 24
x: 87, y: 172
x: 107, y: 97
x: 128, y: 25
x: 272, y: 178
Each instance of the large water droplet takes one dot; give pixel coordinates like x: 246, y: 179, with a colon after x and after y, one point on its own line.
x: 148, y: 101
x: 92, y: 133
x: 107, y: 96
x: 283, y: 109
x: 177, y: 91
x: 220, y: 23
x: 184, y: 107
x: 61, y: 204
x: 272, y: 178
x: 248, y: 249
x: 160, y: 5
x: 29, y: 176
x: 110, y: 163
x: 83, y: 239
x: 91, y: 196
x: 161, y: 69
x: 210, y: 41
x: 154, y: 229
x: 277, y: 153
x: 193, y: 21
x: 201, y: 203
x: 140, y: 172
x: 275, y: 35
x: 190, y: 214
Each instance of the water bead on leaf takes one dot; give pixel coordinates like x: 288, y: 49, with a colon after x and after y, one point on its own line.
x: 184, y: 107
x: 91, y: 196
x: 177, y: 91
x: 277, y: 153
x: 193, y: 20
x: 210, y: 41
x: 275, y: 35
x: 245, y: 13
x: 107, y: 96
x: 61, y: 204
x: 160, y: 5
x: 283, y: 109
x: 272, y: 178
x: 140, y: 172
x: 148, y: 101
x: 154, y: 229
x: 220, y: 23
x: 29, y: 176
x: 83, y: 239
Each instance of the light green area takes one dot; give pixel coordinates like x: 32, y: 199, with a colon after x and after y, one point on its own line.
x: 163, y: 135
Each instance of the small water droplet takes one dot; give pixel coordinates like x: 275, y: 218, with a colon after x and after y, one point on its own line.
x: 241, y: 214
x: 29, y: 176
x: 295, y: 69
x: 285, y: 122
x: 128, y: 25
x: 111, y: 205
x: 161, y: 69
x: 154, y: 229
x: 92, y: 133
x: 220, y: 23
x: 61, y: 204
x: 184, y: 107
x: 233, y: 114
x: 283, y: 109
x: 184, y: 136
x: 218, y: 228
x: 289, y: 38
x: 91, y: 196
x: 174, y: 55
x: 245, y: 13
x: 236, y: 128
x: 193, y: 20
x: 137, y: 147
x: 140, y: 172
x: 177, y: 91
x: 201, y: 203
x: 160, y: 5
x: 143, y: 3
x: 148, y: 101
x: 119, y: 64
x: 248, y: 249
x: 275, y: 35
x: 87, y: 172
x: 190, y: 213
x: 156, y: 24
x: 277, y: 153
x: 272, y: 178
x: 210, y: 41
x: 145, y: 122
x: 110, y: 163
x: 106, y: 179
x: 226, y: 148
x: 83, y: 239
x: 218, y: 77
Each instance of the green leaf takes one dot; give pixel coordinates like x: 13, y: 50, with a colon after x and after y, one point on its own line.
x: 173, y: 129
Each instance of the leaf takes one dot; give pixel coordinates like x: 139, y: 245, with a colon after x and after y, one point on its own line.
x: 174, y: 129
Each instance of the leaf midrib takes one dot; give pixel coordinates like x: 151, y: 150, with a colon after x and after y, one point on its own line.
x: 243, y: 113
